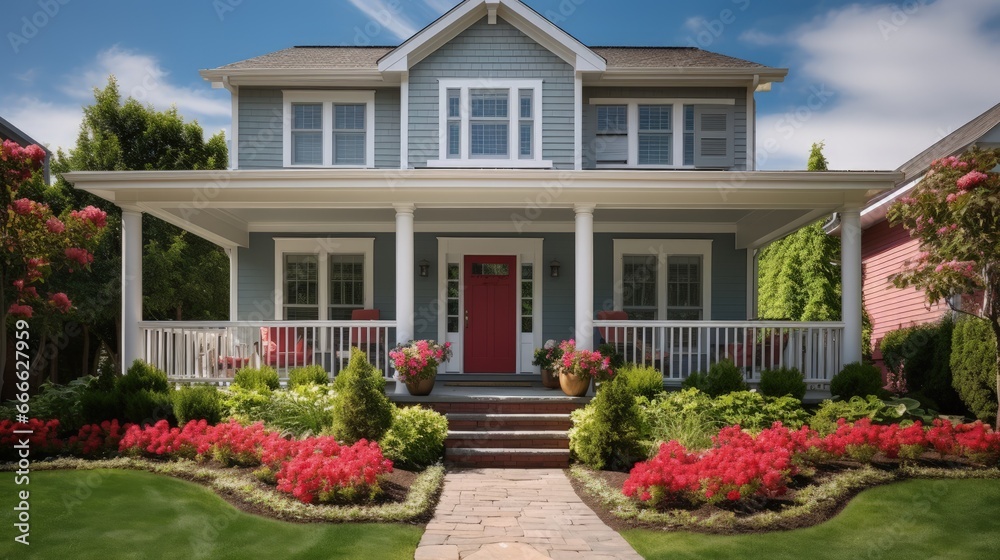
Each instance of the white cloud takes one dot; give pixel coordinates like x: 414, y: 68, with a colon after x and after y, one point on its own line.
x: 755, y: 37
x: 889, y: 83
x: 55, y: 119
x: 389, y: 16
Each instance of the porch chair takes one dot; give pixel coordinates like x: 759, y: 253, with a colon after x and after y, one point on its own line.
x: 751, y: 352
x: 616, y: 336
x: 282, y: 347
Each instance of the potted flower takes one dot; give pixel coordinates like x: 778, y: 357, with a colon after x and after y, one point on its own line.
x: 547, y: 357
x: 416, y: 364
x: 578, y: 368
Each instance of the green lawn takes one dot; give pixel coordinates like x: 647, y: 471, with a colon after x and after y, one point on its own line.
x: 112, y: 515
x: 931, y: 519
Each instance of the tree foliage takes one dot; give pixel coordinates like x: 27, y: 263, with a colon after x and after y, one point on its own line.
x: 954, y: 213
x: 798, y: 279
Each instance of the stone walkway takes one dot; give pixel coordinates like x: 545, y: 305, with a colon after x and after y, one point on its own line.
x: 487, y: 514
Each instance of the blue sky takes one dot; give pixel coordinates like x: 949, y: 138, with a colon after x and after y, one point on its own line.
x: 877, y: 81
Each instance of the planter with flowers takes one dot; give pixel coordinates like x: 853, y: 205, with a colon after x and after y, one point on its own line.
x: 579, y: 368
x: 416, y: 364
x: 548, y: 357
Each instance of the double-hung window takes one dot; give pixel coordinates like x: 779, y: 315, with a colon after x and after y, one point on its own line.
x: 674, y: 133
x: 663, y: 279
x: 323, y: 278
x: 329, y: 128
x: 490, y: 123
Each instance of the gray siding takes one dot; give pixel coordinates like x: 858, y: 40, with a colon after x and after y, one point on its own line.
x: 497, y: 51
x: 260, y: 128
x: 737, y: 94
x: 256, y: 274
x: 729, y: 277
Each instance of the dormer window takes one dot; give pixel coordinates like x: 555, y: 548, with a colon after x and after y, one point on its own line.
x: 329, y: 129
x: 490, y: 123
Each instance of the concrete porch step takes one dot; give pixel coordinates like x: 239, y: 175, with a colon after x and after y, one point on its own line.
x: 494, y: 457
x: 511, y: 422
x: 538, y: 439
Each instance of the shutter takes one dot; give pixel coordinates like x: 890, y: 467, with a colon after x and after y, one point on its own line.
x: 714, y: 136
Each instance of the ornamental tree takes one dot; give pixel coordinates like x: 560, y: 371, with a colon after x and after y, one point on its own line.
x: 954, y: 212
x: 37, y: 242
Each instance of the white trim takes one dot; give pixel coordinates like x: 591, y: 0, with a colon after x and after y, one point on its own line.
x: 676, y: 127
x: 513, y: 129
x: 234, y: 132
x: 517, y: 14
x: 404, y: 121
x: 751, y: 282
x: 234, y: 282
x: 328, y: 98
x: 752, y: 125
x: 491, y: 227
x: 578, y: 122
x: 528, y: 250
x: 322, y: 247
x: 663, y: 248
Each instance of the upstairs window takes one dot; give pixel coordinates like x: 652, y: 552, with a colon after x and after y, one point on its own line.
x: 663, y: 133
x: 490, y: 123
x: 329, y: 129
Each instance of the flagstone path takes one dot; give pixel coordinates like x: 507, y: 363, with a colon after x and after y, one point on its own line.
x: 488, y: 514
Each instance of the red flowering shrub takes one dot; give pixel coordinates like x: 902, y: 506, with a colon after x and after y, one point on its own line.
x: 97, y: 439
x: 325, y: 471
x: 160, y: 440
x: 978, y: 443
x: 43, y: 439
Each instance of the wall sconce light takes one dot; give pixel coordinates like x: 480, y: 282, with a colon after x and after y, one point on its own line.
x: 425, y: 268
x: 554, y: 267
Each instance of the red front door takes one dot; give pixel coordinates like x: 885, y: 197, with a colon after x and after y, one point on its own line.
x: 490, y: 314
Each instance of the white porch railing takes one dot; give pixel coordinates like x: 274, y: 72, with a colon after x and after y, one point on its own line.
x: 203, y: 350
x: 679, y: 348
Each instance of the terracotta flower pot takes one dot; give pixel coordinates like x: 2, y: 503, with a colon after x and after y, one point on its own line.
x: 572, y: 384
x: 550, y: 379
x: 421, y: 387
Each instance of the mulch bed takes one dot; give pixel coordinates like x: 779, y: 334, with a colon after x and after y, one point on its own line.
x: 747, y: 508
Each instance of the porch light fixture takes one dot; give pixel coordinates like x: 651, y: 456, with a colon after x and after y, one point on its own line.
x: 425, y: 268
x: 554, y: 267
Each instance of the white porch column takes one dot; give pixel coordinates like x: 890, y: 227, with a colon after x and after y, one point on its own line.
x: 584, y: 277
x: 850, y: 270
x: 234, y: 281
x: 404, y: 273
x: 131, y: 286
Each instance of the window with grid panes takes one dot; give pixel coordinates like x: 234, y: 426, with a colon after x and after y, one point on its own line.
x: 612, y: 134
x: 684, y: 288
x: 454, y: 282
x: 349, y: 134
x: 655, y: 145
x: 639, y: 286
x: 301, y: 297
x: 307, y: 133
x: 347, y: 285
x: 488, y: 123
x: 527, y: 298
x: 526, y: 124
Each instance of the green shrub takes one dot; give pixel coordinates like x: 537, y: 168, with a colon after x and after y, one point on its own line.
x: 98, y: 405
x: 857, y: 380
x: 148, y: 407
x: 608, y: 432
x: 824, y: 420
x: 642, y: 381
x: 59, y: 402
x: 722, y: 377
x: 416, y: 438
x: 142, y: 376
x: 263, y: 378
x: 306, y: 410
x: 201, y: 402
x: 923, y: 355
x: 361, y: 410
x: 974, y: 367
x: 755, y: 412
x: 308, y: 375
x: 246, y: 405
x: 684, y: 416
x: 781, y: 382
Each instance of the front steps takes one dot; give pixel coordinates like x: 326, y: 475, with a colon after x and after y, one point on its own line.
x: 506, y: 432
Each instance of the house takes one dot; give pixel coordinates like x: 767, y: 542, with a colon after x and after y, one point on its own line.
x: 10, y: 132
x: 885, y: 249
x: 495, y: 183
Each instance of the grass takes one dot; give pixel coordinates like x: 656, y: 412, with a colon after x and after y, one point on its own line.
x: 104, y: 514
x: 911, y: 519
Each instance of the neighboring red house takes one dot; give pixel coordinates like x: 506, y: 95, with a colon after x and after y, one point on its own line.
x: 884, y: 249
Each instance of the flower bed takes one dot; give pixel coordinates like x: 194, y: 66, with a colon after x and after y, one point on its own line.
x: 740, y: 466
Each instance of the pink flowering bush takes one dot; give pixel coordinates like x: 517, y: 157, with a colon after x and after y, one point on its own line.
x: 419, y: 359
x: 584, y: 363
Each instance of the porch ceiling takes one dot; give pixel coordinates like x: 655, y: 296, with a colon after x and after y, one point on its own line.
x: 224, y: 206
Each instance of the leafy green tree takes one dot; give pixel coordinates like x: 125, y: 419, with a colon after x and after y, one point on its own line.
x: 184, y: 276
x: 798, y: 279
x: 954, y: 213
